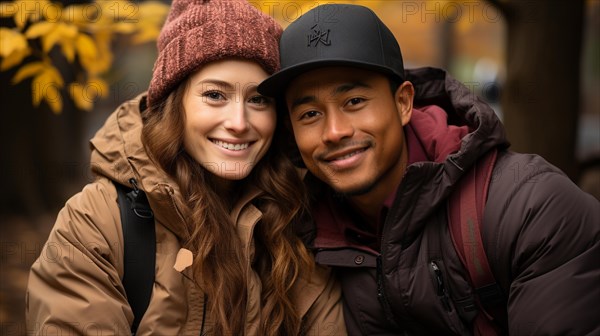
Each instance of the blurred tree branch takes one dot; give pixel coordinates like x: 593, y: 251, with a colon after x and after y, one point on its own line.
x: 82, y: 34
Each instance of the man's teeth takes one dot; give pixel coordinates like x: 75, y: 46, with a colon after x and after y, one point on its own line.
x: 231, y: 146
x: 348, y: 155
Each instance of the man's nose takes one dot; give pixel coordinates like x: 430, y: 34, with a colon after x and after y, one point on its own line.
x: 338, y: 126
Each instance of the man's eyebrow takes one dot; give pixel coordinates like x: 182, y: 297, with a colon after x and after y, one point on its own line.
x: 340, y: 89
x: 350, y: 86
x: 303, y: 100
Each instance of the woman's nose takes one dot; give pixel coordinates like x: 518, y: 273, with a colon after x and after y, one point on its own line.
x: 237, y: 121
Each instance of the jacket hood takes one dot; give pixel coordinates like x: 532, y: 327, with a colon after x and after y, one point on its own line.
x: 463, y: 108
x: 119, y: 155
x: 454, y: 133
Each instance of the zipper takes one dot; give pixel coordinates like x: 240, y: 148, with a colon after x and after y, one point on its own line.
x: 442, y: 293
x: 381, y: 292
x: 202, y: 332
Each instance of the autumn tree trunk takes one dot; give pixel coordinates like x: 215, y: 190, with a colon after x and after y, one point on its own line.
x: 42, y: 158
x: 541, y: 99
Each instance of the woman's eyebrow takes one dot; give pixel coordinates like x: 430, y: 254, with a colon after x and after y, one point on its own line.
x: 216, y: 82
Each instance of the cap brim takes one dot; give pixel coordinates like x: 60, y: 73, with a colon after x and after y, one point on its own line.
x: 276, y: 84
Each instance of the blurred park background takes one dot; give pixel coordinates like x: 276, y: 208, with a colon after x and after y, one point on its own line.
x: 66, y: 65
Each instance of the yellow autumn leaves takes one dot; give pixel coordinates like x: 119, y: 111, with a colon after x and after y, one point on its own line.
x: 82, y: 33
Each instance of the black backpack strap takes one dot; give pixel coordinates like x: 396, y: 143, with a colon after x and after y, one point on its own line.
x: 139, y: 252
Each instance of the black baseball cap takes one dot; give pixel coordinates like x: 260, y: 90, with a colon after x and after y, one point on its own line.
x: 335, y: 35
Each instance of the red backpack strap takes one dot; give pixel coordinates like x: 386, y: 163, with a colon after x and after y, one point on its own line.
x: 466, y: 205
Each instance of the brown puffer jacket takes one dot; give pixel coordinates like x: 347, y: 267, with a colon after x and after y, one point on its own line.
x: 75, y: 285
x: 540, y: 232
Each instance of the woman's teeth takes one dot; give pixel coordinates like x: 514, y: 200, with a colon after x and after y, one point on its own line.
x: 231, y: 146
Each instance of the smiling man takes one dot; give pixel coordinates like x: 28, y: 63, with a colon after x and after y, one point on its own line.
x: 350, y: 130
x: 390, y: 156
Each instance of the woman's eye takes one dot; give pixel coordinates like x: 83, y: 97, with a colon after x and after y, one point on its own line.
x: 259, y: 100
x: 213, y: 95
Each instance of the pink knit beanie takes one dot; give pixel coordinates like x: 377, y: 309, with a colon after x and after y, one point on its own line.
x: 200, y: 31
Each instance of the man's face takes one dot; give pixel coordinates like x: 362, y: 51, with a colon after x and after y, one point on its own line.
x: 348, y: 128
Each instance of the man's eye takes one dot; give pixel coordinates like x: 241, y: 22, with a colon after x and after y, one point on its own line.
x: 309, y: 114
x: 355, y: 101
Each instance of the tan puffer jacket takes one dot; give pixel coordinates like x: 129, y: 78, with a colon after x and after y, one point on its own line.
x: 75, y: 285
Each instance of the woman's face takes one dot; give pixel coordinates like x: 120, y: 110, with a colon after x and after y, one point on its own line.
x: 228, y: 124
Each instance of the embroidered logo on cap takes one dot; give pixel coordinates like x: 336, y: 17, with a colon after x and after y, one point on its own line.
x: 317, y: 35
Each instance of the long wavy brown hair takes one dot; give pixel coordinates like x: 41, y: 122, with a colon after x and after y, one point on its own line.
x: 220, y: 262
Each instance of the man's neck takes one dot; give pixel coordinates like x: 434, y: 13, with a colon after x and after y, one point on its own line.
x: 368, y: 208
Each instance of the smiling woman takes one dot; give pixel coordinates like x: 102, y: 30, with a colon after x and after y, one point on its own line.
x: 229, y: 125
x: 205, y: 148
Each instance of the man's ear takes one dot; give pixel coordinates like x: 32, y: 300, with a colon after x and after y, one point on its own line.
x: 404, y: 101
